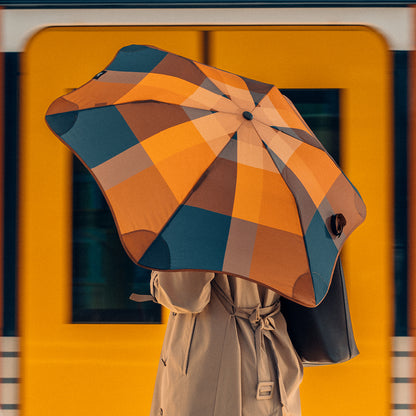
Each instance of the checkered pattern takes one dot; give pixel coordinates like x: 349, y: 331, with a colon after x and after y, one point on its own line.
x: 207, y: 170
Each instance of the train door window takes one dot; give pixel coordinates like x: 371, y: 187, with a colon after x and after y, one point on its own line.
x: 103, y: 275
x: 320, y: 109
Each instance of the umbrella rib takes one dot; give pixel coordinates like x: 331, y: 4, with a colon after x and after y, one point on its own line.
x: 318, y: 146
x: 294, y: 197
x: 146, y: 102
x: 225, y: 94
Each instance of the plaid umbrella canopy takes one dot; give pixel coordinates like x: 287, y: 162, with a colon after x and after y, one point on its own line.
x: 207, y: 170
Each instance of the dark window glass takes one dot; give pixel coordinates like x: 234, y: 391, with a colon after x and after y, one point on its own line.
x: 10, y: 187
x: 320, y: 109
x: 401, y: 88
x: 104, y: 276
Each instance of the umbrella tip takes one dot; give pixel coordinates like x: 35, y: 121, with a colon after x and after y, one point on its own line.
x: 247, y: 115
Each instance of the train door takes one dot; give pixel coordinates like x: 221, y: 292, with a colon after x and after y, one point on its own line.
x: 74, y: 362
x: 355, y: 61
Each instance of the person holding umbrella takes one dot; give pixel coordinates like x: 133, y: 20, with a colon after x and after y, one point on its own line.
x: 226, y: 349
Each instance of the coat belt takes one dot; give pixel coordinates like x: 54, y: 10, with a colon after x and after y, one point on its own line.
x: 262, y: 322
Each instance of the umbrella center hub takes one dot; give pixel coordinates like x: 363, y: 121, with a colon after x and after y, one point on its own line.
x: 247, y: 115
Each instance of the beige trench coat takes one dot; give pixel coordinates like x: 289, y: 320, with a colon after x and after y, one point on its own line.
x: 226, y: 350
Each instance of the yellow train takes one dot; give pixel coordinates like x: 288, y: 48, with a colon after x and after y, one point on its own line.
x: 86, y: 349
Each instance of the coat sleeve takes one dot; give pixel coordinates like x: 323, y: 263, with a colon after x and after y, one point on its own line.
x: 182, y: 292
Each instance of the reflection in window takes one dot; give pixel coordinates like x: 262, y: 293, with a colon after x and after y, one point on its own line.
x: 103, y: 274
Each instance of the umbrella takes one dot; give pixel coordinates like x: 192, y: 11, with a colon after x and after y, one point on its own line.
x: 207, y: 170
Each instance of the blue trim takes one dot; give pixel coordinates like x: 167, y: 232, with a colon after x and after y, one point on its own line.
x: 5, y: 406
x: 200, y: 3
x: 402, y: 406
x: 9, y: 354
x: 9, y: 380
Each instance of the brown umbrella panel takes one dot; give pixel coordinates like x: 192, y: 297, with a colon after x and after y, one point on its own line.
x: 208, y: 170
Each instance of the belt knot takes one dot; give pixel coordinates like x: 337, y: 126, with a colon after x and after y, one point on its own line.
x: 262, y: 322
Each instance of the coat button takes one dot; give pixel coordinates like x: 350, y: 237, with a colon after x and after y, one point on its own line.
x: 174, y: 313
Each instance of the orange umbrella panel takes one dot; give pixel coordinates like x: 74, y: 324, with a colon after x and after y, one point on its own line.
x: 208, y: 170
